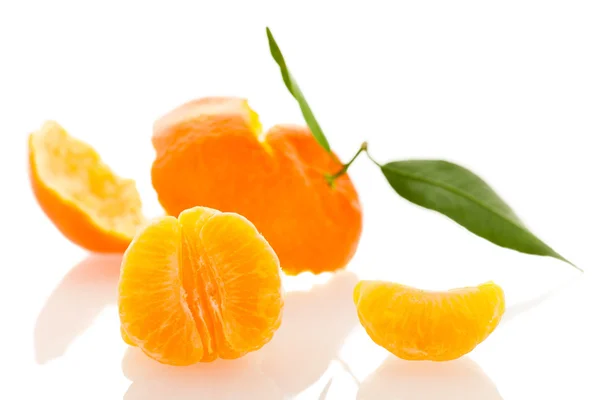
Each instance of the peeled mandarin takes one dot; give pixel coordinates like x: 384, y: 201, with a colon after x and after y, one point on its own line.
x: 202, y: 286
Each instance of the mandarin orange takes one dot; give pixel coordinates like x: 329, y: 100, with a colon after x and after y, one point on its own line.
x: 202, y: 286
x: 213, y: 152
x: 415, y: 324
x: 84, y: 199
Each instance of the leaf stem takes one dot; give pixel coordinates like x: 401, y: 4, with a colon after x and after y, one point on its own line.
x: 371, y: 158
x: 331, y: 178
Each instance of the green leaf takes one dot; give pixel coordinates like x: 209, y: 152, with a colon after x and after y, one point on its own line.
x: 294, y: 89
x: 465, y: 198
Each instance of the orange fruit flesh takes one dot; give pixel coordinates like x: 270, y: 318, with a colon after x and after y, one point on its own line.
x: 200, y: 287
x: 85, y: 200
x: 213, y: 152
x: 416, y: 324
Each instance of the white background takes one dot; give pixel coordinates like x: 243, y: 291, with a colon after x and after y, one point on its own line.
x: 509, y: 89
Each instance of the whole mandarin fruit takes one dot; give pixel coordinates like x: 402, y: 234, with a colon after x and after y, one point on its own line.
x: 212, y: 152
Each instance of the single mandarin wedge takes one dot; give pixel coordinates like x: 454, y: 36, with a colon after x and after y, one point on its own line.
x: 415, y: 324
x: 84, y: 199
x: 202, y: 286
x: 213, y: 152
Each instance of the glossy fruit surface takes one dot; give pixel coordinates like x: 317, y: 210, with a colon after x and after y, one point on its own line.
x: 213, y: 152
x: 415, y: 324
x: 202, y: 286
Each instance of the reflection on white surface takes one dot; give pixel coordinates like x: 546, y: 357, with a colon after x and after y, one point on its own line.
x: 222, y: 379
x: 314, y: 326
x: 460, y: 379
x: 515, y: 310
x: 71, y: 308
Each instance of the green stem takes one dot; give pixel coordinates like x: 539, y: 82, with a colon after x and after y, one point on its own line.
x: 371, y: 158
x: 331, y: 178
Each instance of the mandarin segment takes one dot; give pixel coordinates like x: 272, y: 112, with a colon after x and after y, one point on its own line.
x: 416, y: 324
x: 204, y: 286
x: 154, y: 312
x: 249, y: 290
x: 84, y: 199
x: 213, y: 152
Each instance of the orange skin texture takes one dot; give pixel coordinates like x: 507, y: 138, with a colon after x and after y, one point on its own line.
x: 211, y: 152
x: 203, y: 286
x: 74, y: 224
x: 415, y: 324
x: 69, y: 217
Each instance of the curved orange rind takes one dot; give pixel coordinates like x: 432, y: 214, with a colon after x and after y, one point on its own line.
x: 84, y: 199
